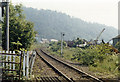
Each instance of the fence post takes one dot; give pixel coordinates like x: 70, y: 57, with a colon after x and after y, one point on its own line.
x: 3, y: 58
x: 1, y: 66
x: 10, y: 59
x: 32, y: 61
x: 6, y: 58
x: 20, y: 58
x: 13, y: 60
x: 27, y: 64
x: 31, y: 57
x: 23, y: 63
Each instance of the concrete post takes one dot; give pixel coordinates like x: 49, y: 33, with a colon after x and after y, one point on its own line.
x: 61, y: 42
x: 7, y: 25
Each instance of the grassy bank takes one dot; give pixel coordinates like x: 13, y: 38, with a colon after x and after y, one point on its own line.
x: 99, y: 58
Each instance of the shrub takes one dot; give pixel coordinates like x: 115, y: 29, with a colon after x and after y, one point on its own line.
x: 92, y: 54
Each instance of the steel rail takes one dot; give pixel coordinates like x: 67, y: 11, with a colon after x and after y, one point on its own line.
x: 54, y: 68
x: 79, y: 71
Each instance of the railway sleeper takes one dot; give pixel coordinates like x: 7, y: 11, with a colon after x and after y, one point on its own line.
x: 88, y: 78
x: 48, y: 79
x: 84, y: 75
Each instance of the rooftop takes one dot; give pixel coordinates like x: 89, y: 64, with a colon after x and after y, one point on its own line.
x: 117, y: 37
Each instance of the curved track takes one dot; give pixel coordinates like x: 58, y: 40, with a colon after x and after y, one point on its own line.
x: 69, y: 72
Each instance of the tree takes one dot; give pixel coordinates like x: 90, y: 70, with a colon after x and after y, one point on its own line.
x: 92, y: 54
x: 22, y: 33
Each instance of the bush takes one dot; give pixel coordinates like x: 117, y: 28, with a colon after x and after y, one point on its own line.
x: 55, y: 46
x: 92, y: 54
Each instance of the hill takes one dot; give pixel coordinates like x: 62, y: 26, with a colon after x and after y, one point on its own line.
x: 49, y: 24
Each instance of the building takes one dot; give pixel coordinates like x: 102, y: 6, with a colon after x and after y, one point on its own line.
x: 82, y: 45
x: 115, y: 40
x: 44, y: 40
x: 53, y: 40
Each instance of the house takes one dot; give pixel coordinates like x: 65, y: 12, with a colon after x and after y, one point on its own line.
x: 44, y: 40
x: 82, y: 45
x: 115, y: 40
x: 53, y: 40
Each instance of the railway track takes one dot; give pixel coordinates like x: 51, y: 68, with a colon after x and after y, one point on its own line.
x: 69, y: 72
x: 48, y: 79
x: 44, y: 72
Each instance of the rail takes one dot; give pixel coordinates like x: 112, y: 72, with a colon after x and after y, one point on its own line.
x: 83, y: 74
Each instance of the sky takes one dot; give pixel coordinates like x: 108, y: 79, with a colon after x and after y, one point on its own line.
x: 99, y: 11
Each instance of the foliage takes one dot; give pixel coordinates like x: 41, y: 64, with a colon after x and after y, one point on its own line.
x: 77, y: 42
x: 22, y: 34
x: 118, y: 45
x: 50, y: 24
x: 108, y: 67
x: 55, y: 46
x: 92, y: 54
x: 99, y: 58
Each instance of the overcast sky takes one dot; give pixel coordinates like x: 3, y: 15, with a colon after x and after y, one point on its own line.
x: 100, y: 11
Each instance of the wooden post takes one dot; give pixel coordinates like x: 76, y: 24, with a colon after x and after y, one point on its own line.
x: 21, y: 55
x: 23, y: 63
x: 6, y: 60
x: 32, y: 61
x: 1, y: 66
x: 0, y: 60
x: 3, y: 58
x: 10, y: 59
x: 27, y: 65
x: 13, y: 60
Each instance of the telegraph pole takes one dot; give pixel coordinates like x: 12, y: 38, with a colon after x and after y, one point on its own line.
x: 61, y: 43
x: 7, y: 21
x: 5, y: 4
x: 62, y: 34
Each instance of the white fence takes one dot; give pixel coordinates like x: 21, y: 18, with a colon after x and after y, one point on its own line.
x: 10, y: 61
